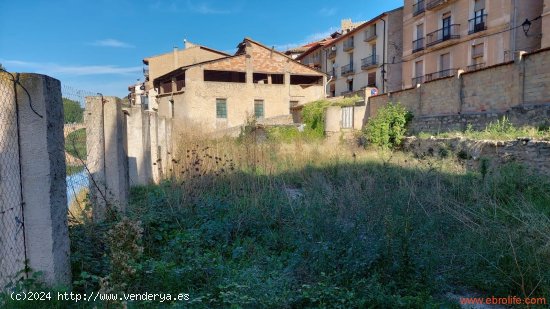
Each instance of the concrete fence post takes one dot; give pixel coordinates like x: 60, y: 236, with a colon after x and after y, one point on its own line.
x: 44, y: 177
x: 107, y: 159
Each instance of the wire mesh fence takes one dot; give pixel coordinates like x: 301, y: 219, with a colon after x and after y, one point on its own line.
x: 12, y: 238
x: 76, y: 151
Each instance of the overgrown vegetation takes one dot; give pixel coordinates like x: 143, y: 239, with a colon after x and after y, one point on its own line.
x: 387, y: 129
x: 74, y: 113
x: 75, y: 143
x: 313, y: 115
x: 501, y: 129
x: 306, y: 225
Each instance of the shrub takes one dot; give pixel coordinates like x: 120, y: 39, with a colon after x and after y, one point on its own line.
x: 313, y: 115
x: 387, y: 128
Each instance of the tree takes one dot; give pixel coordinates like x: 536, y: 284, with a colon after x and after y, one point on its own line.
x: 73, y: 111
x: 2, y: 67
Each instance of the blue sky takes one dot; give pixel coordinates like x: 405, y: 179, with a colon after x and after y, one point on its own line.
x: 98, y: 45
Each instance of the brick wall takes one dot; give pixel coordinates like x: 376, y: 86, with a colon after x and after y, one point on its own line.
x: 519, y: 90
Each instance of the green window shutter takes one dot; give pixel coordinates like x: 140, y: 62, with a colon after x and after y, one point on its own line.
x: 259, y: 108
x: 221, y: 108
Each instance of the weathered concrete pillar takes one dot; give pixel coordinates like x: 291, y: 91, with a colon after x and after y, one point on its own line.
x: 155, y: 153
x: 12, y: 241
x: 44, y: 178
x: 116, y: 163
x: 139, y: 163
x: 162, y: 145
x: 107, y: 159
x: 95, y: 161
x: 169, y: 148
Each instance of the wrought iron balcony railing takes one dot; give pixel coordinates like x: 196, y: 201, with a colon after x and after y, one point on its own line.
x: 444, y: 34
x: 370, y: 34
x: 417, y: 80
x: 348, y: 44
x: 477, y: 24
x: 369, y: 62
x: 434, y: 4
x: 347, y: 69
x: 476, y: 66
x: 418, y: 45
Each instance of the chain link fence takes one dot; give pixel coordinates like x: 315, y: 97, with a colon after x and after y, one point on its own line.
x: 12, y: 238
x: 76, y: 154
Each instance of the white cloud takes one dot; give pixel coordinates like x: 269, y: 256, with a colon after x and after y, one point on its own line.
x: 74, y: 70
x: 308, y: 39
x: 112, y: 43
x: 327, y: 12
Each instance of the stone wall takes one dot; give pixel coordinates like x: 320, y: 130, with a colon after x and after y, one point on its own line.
x: 518, y: 90
x: 532, y: 154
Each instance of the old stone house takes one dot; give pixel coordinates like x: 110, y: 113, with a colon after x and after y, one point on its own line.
x: 223, y: 93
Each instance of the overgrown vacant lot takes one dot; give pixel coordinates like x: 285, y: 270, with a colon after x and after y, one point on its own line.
x: 312, y: 225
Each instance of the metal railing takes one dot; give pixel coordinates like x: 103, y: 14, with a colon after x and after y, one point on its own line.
x: 440, y: 74
x: 347, y: 69
x: 369, y: 62
x: 444, y: 34
x: 477, y: 24
x: 418, y: 7
x: 348, y: 44
x: 417, y: 80
x: 435, y: 3
x: 370, y: 34
x: 476, y: 66
x: 418, y: 45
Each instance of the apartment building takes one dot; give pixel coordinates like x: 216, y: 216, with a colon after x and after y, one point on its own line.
x: 441, y: 37
x: 546, y: 24
x: 223, y: 93
x: 369, y: 55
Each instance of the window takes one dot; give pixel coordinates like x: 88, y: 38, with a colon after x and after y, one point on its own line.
x: 350, y: 85
x: 446, y: 26
x: 351, y: 60
x: 259, y: 108
x: 445, y: 65
x: 277, y: 79
x: 221, y: 108
x: 419, y: 31
x: 371, y: 77
x: 224, y: 76
x: 259, y: 78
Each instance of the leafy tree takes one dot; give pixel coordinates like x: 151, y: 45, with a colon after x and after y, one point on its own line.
x: 73, y: 111
x: 2, y: 67
x: 387, y: 128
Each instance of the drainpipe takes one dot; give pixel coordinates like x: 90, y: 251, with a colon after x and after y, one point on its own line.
x: 328, y: 82
x: 384, y: 59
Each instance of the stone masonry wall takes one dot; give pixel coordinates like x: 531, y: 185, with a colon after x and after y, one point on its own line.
x: 532, y: 154
x: 519, y: 90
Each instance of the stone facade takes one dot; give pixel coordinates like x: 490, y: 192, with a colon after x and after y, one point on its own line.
x: 442, y: 37
x: 284, y: 81
x: 519, y: 90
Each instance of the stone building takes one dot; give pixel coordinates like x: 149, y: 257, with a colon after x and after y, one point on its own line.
x: 161, y: 64
x: 367, y: 55
x: 441, y: 37
x: 223, y: 93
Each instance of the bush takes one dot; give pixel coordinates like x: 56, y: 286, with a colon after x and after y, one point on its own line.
x: 313, y: 115
x: 387, y: 128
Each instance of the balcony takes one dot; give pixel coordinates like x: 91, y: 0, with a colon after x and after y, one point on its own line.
x: 444, y: 34
x: 417, y: 80
x: 347, y: 69
x: 418, y: 7
x: 476, y: 66
x: 435, y: 4
x: 348, y: 44
x: 418, y: 45
x: 440, y: 74
x: 332, y: 54
x: 370, y: 34
x: 477, y: 24
x: 369, y: 62
x: 432, y: 76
